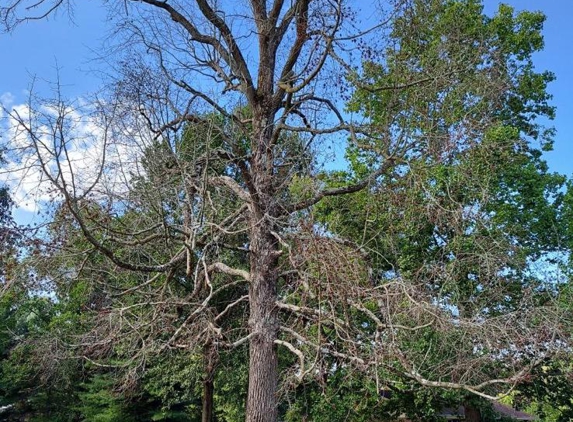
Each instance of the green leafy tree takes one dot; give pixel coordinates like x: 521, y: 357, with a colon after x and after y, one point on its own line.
x: 467, y: 220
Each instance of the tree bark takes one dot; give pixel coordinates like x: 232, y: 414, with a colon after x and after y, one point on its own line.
x: 207, y: 412
x: 208, y: 384
x: 263, y: 359
x: 263, y: 320
x: 472, y: 414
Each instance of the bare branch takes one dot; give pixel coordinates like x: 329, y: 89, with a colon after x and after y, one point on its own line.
x: 296, y: 352
x: 232, y: 185
x: 219, y: 266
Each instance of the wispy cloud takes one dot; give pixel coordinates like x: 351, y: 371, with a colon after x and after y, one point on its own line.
x: 55, y: 150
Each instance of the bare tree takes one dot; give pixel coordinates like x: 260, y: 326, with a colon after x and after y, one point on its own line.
x: 206, y: 187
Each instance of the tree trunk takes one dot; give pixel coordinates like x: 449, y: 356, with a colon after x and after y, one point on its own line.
x: 263, y: 360
x: 210, y: 361
x: 262, y: 405
x: 207, y: 413
x: 472, y: 414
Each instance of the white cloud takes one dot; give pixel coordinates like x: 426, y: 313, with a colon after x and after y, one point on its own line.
x: 6, y: 100
x: 52, y: 150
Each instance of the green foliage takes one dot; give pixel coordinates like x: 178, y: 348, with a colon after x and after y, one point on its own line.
x: 339, y: 397
x: 29, y: 378
x: 470, y: 180
x: 175, y: 381
x: 348, y: 396
x: 549, y: 394
x: 451, y: 67
x: 301, y: 188
x: 99, y: 403
x: 231, y: 386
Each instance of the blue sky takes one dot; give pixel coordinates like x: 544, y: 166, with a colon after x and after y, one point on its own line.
x: 38, y: 48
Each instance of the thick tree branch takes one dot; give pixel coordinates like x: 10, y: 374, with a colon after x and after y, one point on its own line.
x: 232, y: 185
x: 238, y: 61
x: 232, y: 57
x: 223, y: 268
